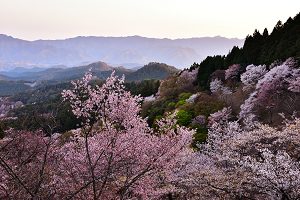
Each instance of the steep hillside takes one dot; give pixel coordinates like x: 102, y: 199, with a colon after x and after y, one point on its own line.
x: 256, y: 82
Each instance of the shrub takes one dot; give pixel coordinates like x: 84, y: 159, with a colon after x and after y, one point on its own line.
x: 184, y: 118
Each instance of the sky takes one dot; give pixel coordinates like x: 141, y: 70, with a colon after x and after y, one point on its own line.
x: 59, y: 19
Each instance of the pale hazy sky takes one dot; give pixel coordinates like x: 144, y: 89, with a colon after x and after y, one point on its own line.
x: 57, y: 19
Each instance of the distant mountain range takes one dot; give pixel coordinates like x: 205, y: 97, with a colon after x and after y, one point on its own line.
x: 130, y: 52
x: 101, y: 70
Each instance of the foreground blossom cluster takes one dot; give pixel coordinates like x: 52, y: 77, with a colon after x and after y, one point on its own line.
x: 115, y: 155
x: 262, y: 163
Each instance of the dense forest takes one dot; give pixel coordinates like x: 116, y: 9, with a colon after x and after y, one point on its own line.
x: 283, y: 42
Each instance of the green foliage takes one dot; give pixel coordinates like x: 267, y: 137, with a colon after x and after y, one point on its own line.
x: 151, y: 111
x: 158, y: 117
x: 184, y: 95
x: 35, y: 116
x: 234, y: 56
x: 205, y: 105
x: 12, y: 87
x: 180, y: 103
x: 183, y: 117
x: 207, y: 108
x: 207, y: 67
x: 193, y: 66
x: 43, y: 107
x: 47, y: 92
x: 200, y: 135
x: 171, y: 105
x: 144, y: 88
x: 46, y: 101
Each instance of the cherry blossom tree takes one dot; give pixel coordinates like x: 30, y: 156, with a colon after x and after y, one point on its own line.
x: 216, y: 86
x: 213, y: 172
x: 220, y: 91
x: 187, y: 75
x: 252, y: 75
x: 232, y: 72
x: 115, y: 155
x: 186, y: 78
x: 276, y: 174
x: 26, y: 160
x: 262, y: 163
x: 119, y: 154
x: 294, y: 84
x: 277, y: 85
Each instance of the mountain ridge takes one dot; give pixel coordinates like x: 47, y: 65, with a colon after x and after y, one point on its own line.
x: 129, y: 36
x: 99, y: 69
x: 113, y: 50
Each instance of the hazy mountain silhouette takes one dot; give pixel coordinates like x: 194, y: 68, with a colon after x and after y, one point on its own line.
x: 99, y: 69
x: 134, y: 50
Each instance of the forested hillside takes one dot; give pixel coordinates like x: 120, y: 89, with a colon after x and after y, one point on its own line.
x: 259, y: 48
x: 231, y: 80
